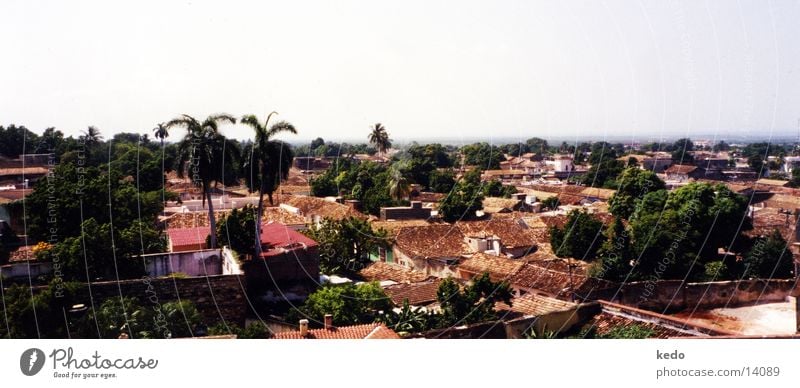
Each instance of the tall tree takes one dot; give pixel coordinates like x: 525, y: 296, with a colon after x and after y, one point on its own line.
x: 203, y: 150
x: 399, y: 186
x: 161, y: 132
x: 380, y: 138
x: 92, y: 135
x: 271, y: 159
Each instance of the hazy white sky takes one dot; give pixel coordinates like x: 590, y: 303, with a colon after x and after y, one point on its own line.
x: 471, y: 69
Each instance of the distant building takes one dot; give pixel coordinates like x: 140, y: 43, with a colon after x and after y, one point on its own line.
x: 413, y: 212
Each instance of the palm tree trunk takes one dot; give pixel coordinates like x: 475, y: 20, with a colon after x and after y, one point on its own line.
x: 163, y: 178
x: 212, y: 222
x: 259, y: 214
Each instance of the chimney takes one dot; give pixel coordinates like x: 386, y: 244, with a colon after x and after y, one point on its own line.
x: 416, y: 204
x: 353, y: 204
x: 304, y: 327
x: 328, y: 321
x: 520, y: 196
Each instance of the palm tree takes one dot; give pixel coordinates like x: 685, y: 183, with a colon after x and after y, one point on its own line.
x: 203, y: 149
x: 162, y: 132
x: 380, y: 138
x: 92, y: 135
x: 399, y: 185
x: 269, y: 163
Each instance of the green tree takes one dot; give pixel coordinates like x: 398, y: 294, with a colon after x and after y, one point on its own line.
x: 494, y: 188
x: 550, y: 203
x: 580, y: 237
x: 203, y: 150
x: 345, y: 244
x: 399, y: 185
x: 442, y: 181
x: 465, y: 198
x: 769, y: 258
x: 379, y: 137
x: 474, y: 303
x: 633, y: 184
x: 615, y: 254
x: 237, y: 230
x: 482, y: 155
x: 269, y: 163
x: 681, y: 151
x: 349, y: 303
x: 408, y: 319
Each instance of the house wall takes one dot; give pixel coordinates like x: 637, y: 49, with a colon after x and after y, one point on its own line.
x: 671, y: 295
x: 295, y: 266
x: 556, y: 322
x: 216, y: 297
x: 24, y: 270
x: 430, y: 267
x: 193, y: 263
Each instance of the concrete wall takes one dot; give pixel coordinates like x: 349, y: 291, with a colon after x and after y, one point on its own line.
x: 193, y: 263
x: 432, y: 267
x: 216, y: 297
x: 24, y: 270
x: 556, y: 322
x: 294, y: 266
x: 673, y: 296
x: 413, y: 212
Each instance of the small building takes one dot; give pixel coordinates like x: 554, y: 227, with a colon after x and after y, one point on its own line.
x: 656, y: 164
x: 287, y: 257
x: 433, y: 250
x: 499, y: 268
x: 417, y: 294
x: 499, y: 236
x: 187, y: 239
x: 413, y: 212
x: 683, y: 173
x: 329, y: 331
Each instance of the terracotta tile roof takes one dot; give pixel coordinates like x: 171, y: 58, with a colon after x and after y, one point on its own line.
x: 535, y: 305
x: 499, y: 268
x: 493, y: 173
x: 192, y: 219
x: 188, y: 236
x: 22, y: 253
x: 768, y: 219
x: 605, y: 322
x: 14, y: 195
x: 277, y: 214
x: 26, y: 171
x: 496, y: 204
x: 420, y: 293
x: 314, y: 206
x: 427, y: 196
x: 513, y: 233
x: 367, y: 331
x: 772, y: 182
x: 279, y: 238
x: 393, y: 226
x: 379, y: 271
x: 432, y: 241
x: 557, y: 283
x: 680, y: 169
x: 598, y: 192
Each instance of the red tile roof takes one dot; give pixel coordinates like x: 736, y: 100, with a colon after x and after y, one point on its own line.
x: 416, y: 293
x: 431, y: 241
x: 188, y: 237
x: 379, y: 271
x: 513, y: 233
x: 276, y: 237
x: 680, y: 169
x: 367, y: 331
x: 499, y: 268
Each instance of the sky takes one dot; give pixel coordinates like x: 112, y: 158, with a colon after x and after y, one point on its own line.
x: 425, y: 69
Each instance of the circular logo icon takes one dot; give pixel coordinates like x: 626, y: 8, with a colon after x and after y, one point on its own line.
x: 31, y: 361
